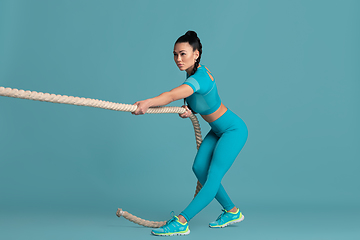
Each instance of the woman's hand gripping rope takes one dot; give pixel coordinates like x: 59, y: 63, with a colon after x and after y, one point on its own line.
x: 185, y: 114
x: 142, y: 107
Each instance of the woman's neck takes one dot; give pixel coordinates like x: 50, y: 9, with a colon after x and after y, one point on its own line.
x: 189, y: 70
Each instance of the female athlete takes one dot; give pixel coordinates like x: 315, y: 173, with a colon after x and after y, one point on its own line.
x: 219, y: 148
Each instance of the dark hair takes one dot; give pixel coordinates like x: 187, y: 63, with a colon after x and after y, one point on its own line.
x: 192, y: 38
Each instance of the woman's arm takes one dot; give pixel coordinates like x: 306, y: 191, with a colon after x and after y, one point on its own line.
x: 165, y: 98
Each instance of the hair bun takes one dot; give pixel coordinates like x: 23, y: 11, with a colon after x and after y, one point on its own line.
x: 191, y: 34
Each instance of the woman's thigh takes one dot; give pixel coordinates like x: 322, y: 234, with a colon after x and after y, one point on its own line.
x: 226, y: 150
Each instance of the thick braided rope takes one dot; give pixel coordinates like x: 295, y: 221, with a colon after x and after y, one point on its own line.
x: 47, y: 97
x: 80, y: 101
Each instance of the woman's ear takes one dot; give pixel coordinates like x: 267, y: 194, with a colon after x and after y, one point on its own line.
x: 197, y: 54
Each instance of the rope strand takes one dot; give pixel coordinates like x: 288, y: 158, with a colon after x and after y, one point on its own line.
x: 80, y: 101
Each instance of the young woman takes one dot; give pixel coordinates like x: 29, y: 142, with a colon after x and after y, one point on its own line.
x: 219, y: 148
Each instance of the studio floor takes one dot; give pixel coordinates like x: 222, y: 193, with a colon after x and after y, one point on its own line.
x: 287, y: 223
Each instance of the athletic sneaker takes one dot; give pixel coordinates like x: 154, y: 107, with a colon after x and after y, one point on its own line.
x: 227, y: 218
x: 172, y: 227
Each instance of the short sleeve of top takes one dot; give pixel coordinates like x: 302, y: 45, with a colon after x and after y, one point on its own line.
x: 205, y: 99
x: 193, y: 83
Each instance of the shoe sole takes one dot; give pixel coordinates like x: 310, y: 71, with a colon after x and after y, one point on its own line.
x: 229, y: 223
x: 171, y: 234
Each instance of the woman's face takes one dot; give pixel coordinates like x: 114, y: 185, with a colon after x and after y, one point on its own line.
x: 185, y: 56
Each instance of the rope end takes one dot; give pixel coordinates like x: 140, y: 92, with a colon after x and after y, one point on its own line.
x: 119, y: 212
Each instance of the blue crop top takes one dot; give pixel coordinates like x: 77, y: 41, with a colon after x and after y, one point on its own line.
x: 205, y: 99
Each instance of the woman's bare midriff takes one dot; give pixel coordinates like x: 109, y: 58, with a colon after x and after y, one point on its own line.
x: 215, y: 115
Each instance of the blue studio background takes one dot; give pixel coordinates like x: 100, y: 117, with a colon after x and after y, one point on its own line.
x: 289, y: 69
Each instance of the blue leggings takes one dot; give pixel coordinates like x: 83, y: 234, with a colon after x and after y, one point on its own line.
x: 216, y: 154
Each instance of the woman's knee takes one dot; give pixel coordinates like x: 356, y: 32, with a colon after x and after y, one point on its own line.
x: 199, y: 170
